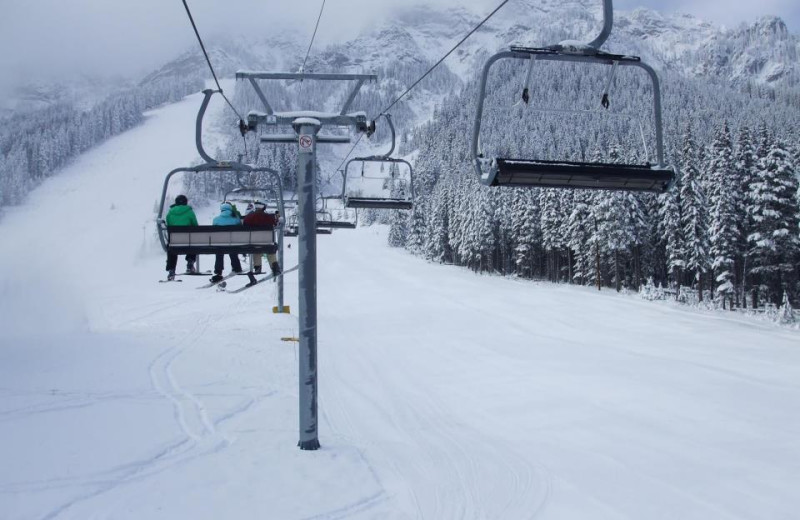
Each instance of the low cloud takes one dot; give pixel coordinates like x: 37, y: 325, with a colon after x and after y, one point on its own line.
x: 50, y: 38
x: 725, y: 12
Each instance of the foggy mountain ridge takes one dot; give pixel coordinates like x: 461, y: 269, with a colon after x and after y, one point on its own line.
x: 763, y: 53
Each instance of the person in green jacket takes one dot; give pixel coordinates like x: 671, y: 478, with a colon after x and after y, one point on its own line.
x: 180, y: 214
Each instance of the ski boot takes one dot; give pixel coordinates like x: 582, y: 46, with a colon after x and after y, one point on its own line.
x: 276, y: 268
x: 171, y: 275
x: 190, y: 269
x: 216, y: 278
x: 257, y: 269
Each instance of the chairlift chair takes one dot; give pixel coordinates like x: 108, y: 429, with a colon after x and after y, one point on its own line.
x: 530, y: 173
x: 183, y: 240
x: 292, y: 227
x: 324, y: 223
x: 217, y: 239
x: 366, y: 202
x: 327, y: 217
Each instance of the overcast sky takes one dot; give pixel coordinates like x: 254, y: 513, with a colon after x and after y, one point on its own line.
x: 129, y: 37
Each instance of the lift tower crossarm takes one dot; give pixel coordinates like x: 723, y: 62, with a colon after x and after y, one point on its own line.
x: 252, y: 76
x: 255, y: 118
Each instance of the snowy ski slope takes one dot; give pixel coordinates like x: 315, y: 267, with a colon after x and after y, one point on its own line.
x: 443, y: 395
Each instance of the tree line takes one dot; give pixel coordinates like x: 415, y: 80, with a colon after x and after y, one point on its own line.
x: 34, y: 145
x: 728, y: 228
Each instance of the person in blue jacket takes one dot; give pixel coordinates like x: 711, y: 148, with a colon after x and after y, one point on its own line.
x: 226, y: 217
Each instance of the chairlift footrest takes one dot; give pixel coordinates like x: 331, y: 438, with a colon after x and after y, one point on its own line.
x: 548, y: 51
x: 564, y: 174
x: 377, y: 203
x: 333, y: 224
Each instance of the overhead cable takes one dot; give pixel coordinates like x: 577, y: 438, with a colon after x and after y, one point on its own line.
x: 311, y: 43
x: 457, y: 45
x: 443, y: 58
x: 214, y: 74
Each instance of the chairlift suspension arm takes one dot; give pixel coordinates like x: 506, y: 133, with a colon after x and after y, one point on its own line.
x: 608, y: 23
x: 605, y: 101
x: 526, y: 88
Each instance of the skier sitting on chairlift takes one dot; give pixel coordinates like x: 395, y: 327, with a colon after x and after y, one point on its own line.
x: 226, y: 217
x: 180, y: 214
x: 259, y: 217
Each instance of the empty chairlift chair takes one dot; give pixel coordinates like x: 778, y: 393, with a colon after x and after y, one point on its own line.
x: 336, y: 218
x: 353, y: 200
x: 518, y: 172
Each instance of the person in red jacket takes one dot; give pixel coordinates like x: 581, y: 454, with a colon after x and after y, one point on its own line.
x: 259, y: 217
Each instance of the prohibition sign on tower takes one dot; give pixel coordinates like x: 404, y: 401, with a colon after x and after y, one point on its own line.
x: 305, y: 142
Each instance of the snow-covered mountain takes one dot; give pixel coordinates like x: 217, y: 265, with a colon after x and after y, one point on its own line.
x: 277, y: 52
x: 763, y: 52
x: 81, y: 91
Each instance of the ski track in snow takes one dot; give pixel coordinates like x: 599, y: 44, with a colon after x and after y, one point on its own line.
x: 442, y: 394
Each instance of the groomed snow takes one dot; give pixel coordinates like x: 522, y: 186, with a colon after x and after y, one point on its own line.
x: 443, y: 394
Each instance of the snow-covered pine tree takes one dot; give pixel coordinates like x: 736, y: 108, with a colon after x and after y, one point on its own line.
x: 436, y: 244
x: 528, y: 232
x: 671, y: 231
x: 724, y: 217
x: 579, y: 232
x: 694, y: 213
x: 745, y: 166
x: 552, y: 239
x: 774, y: 242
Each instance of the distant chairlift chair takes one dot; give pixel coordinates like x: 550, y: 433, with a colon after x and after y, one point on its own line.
x: 530, y: 173
x: 326, y: 217
x: 359, y: 201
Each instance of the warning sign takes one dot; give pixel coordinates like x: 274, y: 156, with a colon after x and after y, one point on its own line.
x: 305, y: 143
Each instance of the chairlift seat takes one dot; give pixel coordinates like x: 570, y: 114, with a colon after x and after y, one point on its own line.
x: 378, y: 203
x: 580, y: 175
x: 205, y: 240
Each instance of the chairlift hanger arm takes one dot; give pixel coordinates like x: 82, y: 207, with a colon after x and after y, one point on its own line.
x: 387, y: 155
x: 608, y: 24
x: 198, y: 132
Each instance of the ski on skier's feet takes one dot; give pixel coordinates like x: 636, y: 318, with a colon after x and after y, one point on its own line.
x: 167, y: 281
x: 212, y: 284
x: 255, y: 281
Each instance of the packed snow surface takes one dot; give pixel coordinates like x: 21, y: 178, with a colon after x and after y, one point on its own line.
x: 443, y: 394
